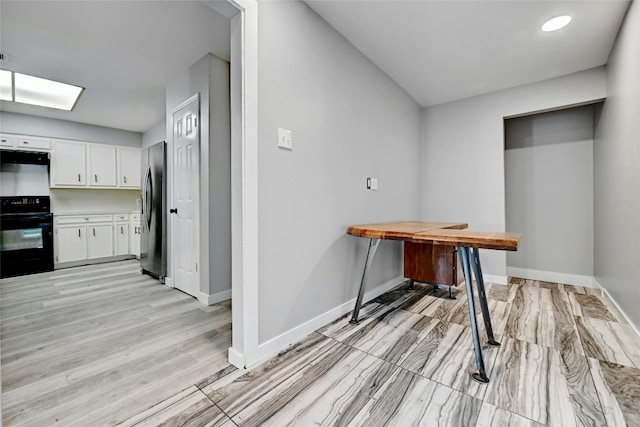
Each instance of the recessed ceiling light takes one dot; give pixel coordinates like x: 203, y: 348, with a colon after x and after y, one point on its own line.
x: 32, y: 90
x: 556, y: 23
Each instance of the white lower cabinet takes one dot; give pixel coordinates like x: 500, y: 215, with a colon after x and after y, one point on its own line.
x: 99, y: 241
x: 135, y: 234
x: 121, y: 237
x: 88, y: 237
x: 71, y: 242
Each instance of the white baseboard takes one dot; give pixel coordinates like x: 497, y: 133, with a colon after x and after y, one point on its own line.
x: 500, y: 280
x: 275, y: 345
x: 551, y: 276
x: 236, y: 358
x: 169, y: 282
x: 626, y: 317
x: 215, y: 298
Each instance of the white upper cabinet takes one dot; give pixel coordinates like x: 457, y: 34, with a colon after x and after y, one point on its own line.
x: 89, y: 165
x: 7, y: 141
x: 24, y: 143
x: 102, y: 165
x: 32, y: 143
x: 68, y: 164
x: 128, y: 167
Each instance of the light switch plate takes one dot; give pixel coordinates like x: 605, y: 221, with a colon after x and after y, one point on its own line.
x: 372, y: 183
x: 285, y: 139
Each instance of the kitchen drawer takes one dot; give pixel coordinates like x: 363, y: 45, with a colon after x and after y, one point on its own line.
x: 121, y: 217
x: 31, y: 143
x: 71, y: 219
x: 99, y: 218
x: 135, y: 217
x: 83, y: 219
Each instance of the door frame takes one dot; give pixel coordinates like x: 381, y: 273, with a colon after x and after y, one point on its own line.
x: 243, y: 16
x: 244, y: 350
x: 196, y: 217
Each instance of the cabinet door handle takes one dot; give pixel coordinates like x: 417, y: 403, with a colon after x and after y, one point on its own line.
x: 121, y: 230
x: 79, y: 233
x: 25, y: 142
x: 78, y: 177
x: 96, y: 177
x: 125, y: 179
x: 94, y: 232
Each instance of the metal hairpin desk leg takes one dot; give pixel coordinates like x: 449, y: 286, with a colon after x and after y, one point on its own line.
x: 477, y: 271
x: 373, y: 247
x: 481, y: 375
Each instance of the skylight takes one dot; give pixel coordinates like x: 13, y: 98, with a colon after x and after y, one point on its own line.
x: 32, y: 90
x: 5, y: 85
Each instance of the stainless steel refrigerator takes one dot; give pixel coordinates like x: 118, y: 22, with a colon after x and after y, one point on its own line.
x: 153, y: 238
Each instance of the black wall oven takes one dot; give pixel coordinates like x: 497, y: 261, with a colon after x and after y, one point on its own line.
x: 26, y: 235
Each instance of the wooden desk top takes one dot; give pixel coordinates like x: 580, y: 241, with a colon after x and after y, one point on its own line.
x: 437, y: 233
x: 469, y: 238
x: 403, y: 230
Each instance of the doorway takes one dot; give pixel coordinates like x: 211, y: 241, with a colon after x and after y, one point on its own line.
x: 549, y: 195
x: 186, y: 194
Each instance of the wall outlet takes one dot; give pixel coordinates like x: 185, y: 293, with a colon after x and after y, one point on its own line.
x: 285, y: 139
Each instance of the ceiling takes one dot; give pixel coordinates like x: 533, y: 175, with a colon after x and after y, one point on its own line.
x: 440, y: 51
x: 123, y: 52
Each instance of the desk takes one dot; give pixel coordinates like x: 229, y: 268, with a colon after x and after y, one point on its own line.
x: 429, y: 244
x: 434, y: 264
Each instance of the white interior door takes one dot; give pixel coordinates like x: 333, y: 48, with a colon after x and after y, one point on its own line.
x: 186, y: 141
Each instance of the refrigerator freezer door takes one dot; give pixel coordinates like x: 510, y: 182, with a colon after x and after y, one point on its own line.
x: 153, y: 243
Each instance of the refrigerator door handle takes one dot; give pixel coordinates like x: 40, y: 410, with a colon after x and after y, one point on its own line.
x: 149, y: 198
x: 144, y: 194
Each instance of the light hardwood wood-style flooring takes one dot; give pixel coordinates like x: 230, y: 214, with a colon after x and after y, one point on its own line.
x: 96, y: 345
x: 567, y: 358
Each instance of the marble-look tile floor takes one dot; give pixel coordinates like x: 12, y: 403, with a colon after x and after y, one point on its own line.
x: 566, y: 359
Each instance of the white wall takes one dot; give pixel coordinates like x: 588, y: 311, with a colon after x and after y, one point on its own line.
x: 208, y: 77
x: 43, y: 126
x: 349, y: 121
x: 156, y: 134
x: 80, y: 201
x: 219, y: 180
x: 617, y: 172
x: 549, y: 192
x: 463, y: 151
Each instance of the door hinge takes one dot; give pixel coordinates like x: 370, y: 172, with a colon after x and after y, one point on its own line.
x: 196, y: 267
x: 195, y: 122
x: 56, y: 259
